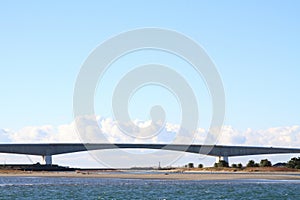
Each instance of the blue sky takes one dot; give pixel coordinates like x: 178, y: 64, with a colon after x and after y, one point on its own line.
x: 254, y: 44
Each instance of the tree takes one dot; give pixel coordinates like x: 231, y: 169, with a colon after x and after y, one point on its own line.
x: 191, y: 165
x: 234, y: 165
x: 294, y: 163
x: 251, y: 163
x: 222, y: 163
x: 265, y: 163
x: 200, y: 166
x: 240, y: 165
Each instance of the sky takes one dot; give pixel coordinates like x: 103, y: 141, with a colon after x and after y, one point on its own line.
x: 253, y: 44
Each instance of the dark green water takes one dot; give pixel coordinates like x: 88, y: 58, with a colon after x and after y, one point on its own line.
x: 93, y: 188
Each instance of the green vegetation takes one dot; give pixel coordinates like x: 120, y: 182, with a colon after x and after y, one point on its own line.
x: 251, y: 163
x: 265, y: 163
x: 222, y: 163
x: 191, y: 165
x: 200, y: 166
x: 237, y: 165
x: 294, y: 163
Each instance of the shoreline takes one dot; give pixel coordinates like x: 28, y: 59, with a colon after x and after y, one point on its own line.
x: 162, y: 176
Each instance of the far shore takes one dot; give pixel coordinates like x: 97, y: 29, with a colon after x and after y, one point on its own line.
x: 174, y: 174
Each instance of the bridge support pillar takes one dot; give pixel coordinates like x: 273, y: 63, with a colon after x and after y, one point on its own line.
x: 47, y: 159
x: 222, y: 158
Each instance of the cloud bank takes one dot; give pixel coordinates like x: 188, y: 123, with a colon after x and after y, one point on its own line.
x: 288, y: 136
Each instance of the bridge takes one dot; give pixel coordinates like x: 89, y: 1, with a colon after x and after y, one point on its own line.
x: 47, y: 150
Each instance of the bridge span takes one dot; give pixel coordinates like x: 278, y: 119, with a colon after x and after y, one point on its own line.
x: 47, y: 150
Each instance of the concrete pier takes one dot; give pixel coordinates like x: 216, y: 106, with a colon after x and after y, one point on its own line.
x: 222, y: 158
x: 47, y: 160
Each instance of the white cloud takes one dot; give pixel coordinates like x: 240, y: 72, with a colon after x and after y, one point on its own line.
x: 4, y: 134
x: 46, y: 133
x: 33, y: 134
x: 229, y: 136
x: 90, y: 132
x: 288, y: 136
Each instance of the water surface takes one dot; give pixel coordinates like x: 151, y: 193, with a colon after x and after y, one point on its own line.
x: 96, y: 188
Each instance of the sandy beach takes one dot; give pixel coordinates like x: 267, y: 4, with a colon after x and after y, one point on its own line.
x: 164, y: 176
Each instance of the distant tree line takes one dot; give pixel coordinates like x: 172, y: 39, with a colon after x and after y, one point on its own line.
x: 292, y: 163
x: 237, y: 165
x: 263, y: 163
x: 191, y: 165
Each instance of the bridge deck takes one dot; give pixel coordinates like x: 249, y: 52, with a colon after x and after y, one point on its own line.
x: 212, y: 150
